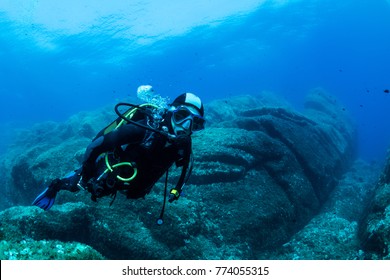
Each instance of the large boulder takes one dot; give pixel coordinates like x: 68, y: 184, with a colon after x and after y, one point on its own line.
x: 23, y: 231
x: 333, y: 233
x: 375, y: 227
x: 270, y: 169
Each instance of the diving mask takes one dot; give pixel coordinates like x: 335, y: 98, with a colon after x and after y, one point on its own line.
x: 185, y: 120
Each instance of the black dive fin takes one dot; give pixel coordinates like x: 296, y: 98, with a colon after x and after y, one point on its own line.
x: 46, y: 199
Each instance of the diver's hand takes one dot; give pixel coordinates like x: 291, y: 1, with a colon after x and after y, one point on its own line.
x: 172, y: 198
x: 174, y: 194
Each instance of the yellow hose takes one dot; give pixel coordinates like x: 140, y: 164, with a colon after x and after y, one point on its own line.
x: 111, y: 169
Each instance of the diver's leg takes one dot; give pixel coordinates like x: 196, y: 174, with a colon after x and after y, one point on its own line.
x: 47, y: 198
x: 70, y: 181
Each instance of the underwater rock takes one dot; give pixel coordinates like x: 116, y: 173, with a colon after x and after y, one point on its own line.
x: 333, y: 233
x: 326, y: 237
x: 20, y: 225
x: 47, y: 151
x: 324, y: 148
x: 262, y: 172
x: 65, y: 223
x: 265, y: 194
x: 330, y: 116
x: 123, y: 232
x: 222, y: 110
x: 375, y: 227
x: 47, y: 250
x: 275, y: 168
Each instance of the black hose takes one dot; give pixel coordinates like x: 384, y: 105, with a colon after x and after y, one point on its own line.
x: 160, y: 219
x: 123, y: 117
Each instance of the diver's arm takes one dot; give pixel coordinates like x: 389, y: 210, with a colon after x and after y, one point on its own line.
x: 186, y: 162
x: 185, y: 175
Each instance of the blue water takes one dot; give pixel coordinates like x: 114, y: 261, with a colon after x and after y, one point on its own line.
x: 60, y: 58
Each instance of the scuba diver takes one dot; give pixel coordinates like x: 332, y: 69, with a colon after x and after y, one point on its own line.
x: 133, y: 152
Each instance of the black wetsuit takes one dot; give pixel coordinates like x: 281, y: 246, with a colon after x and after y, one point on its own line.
x: 151, y: 152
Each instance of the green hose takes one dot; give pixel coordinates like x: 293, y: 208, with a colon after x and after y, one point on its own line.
x: 111, y: 169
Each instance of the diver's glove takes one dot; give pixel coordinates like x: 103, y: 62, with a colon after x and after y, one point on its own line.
x: 174, y: 194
